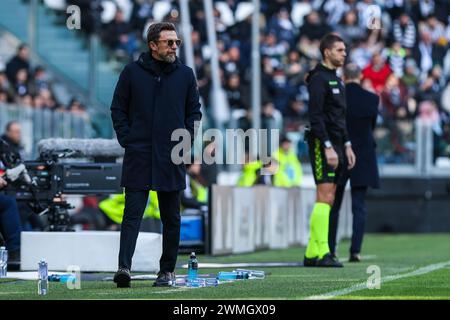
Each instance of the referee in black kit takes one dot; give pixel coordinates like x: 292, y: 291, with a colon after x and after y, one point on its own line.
x: 154, y: 96
x: 328, y: 143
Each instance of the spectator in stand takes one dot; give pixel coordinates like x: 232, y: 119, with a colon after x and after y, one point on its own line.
x: 273, y: 49
x: 279, y: 89
x: 422, y: 9
x: 232, y: 63
x: 411, y: 77
x: 335, y: 10
x: 404, y: 31
x: 430, y: 89
x: 396, y: 56
x: 283, y: 28
x: 6, y: 87
x: 18, y: 62
x: 314, y: 28
x: 427, y: 53
x: 119, y: 36
x: 377, y: 71
x: 3, y: 97
x: 21, y: 84
x: 349, y: 29
x: 38, y: 102
x: 394, y: 99
x: 237, y: 94
x: 40, y: 81
x: 141, y: 13
x: 294, y: 69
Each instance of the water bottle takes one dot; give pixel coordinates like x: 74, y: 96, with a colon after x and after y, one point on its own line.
x: 211, y: 282
x: 42, y: 277
x: 195, y: 283
x: 233, y: 275
x: 192, y: 267
x: 62, y: 278
x: 252, y: 274
x: 3, y: 262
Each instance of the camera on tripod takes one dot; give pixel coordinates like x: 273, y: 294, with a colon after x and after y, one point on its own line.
x: 64, y: 167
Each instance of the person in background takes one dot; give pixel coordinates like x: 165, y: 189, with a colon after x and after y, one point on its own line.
x: 288, y: 162
x: 10, y: 227
x: 362, y: 111
x: 19, y: 61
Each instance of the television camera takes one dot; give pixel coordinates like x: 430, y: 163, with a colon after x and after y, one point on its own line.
x: 64, y: 167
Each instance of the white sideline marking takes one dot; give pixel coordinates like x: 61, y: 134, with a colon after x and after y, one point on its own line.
x: 363, y: 285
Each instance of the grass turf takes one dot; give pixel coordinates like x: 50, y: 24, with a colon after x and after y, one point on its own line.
x: 394, y: 254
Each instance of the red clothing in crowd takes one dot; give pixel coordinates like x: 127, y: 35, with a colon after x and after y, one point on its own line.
x: 378, y: 78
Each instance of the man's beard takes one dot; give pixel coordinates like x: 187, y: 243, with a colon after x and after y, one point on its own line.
x: 170, y: 58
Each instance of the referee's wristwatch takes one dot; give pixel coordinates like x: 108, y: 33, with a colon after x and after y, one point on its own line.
x: 328, y: 144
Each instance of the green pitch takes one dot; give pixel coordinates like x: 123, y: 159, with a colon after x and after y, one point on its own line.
x: 412, y: 267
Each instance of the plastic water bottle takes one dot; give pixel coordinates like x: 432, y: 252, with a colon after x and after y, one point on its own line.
x: 252, y: 274
x: 42, y: 277
x: 211, y: 282
x: 195, y: 283
x: 3, y: 262
x: 63, y: 278
x: 192, y: 267
x: 233, y: 275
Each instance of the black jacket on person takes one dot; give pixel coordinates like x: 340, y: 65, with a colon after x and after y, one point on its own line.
x: 150, y: 101
x: 327, y: 101
x: 362, y: 111
x: 16, y: 149
x: 13, y: 66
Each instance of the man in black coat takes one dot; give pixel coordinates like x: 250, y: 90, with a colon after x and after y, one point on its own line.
x: 362, y: 111
x: 19, y: 61
x: 154, y: 96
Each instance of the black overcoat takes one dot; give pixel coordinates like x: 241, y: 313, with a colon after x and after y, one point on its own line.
x: 151, y: 101
x: 362, y: 111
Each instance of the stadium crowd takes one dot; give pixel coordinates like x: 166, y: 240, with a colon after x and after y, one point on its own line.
x: 31, y: 86
x: 402, y: 47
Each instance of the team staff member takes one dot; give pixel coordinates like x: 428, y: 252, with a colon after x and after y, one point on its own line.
x: 328, y: 142
x: 154, y: 96
x: 362, y: 111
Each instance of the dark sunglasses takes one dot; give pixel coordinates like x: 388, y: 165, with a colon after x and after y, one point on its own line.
x: 171, y: 42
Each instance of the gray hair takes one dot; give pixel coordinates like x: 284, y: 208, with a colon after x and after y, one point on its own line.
x: 352, y: 72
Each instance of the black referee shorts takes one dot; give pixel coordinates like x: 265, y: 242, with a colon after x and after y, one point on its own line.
x: 322, y: 172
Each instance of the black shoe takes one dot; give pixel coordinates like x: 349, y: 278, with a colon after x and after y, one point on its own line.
x: 310, y: 262
x: 354, y: 257
x: 329, y: 262
x: 165, y: 279
x: 14, y: 261
x: 122, y: 278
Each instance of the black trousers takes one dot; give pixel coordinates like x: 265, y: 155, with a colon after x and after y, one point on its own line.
x: 169, y: 207
x: 359, y: 217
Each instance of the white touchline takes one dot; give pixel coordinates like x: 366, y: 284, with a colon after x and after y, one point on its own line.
x: 362, y: 286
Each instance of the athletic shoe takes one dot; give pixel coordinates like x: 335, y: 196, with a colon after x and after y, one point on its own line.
x: 122, y: 278
x: 328, y: 262
x: 165, y: 279
x: 354, y: 257
x: 310, y: 262
x: 13, y: 261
